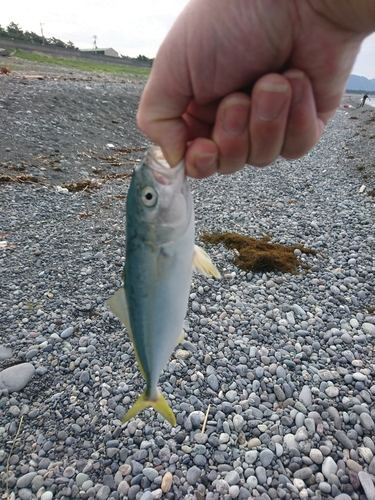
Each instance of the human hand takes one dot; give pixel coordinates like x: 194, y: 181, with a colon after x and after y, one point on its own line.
x: 245, y: 81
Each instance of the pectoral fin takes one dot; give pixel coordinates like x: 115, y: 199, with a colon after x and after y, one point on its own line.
x: 160, y: 405
x: 203, y: 263
x: 119, y: 306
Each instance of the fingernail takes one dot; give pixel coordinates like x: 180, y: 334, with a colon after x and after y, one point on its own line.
x: 205, y: 161
x: 270, y: 100
x: 295, y: 76
x: 235, y: 117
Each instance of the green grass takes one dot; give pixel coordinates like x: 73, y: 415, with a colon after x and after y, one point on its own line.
x: 83, y: 65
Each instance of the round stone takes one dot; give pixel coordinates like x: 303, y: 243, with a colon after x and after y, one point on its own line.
x: 332, y: 391
x: 253, y: 443
x: 329, y: 467
x: 368, y: 328
x: 266, y: 457
x: 366, y: 421
x: 232, y: 478
x: 167, y: 482
x: 150, y: 473
x: 47, y: 495
x: 193, y: 474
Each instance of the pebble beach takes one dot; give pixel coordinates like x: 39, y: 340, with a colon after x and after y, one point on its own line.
x: 273, y: 386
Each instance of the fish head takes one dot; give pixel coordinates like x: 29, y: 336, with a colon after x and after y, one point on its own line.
x: 159, y: 202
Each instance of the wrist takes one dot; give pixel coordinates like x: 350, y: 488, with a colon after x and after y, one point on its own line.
x: 354, y: 15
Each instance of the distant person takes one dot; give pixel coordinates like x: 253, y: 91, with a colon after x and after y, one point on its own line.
x: 364, y: 100
x: 243, y: 81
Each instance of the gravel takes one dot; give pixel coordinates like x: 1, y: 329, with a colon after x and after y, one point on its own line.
x: 284, y: 361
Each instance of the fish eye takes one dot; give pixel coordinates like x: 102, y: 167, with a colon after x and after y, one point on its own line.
x: 149, y: 196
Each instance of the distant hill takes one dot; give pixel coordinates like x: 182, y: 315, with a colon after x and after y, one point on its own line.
x: 360, y: 83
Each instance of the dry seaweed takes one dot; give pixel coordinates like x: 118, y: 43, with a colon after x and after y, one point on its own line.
x: 82, y: 185
x: 117, y: 161
x: 260, y: 255
x: 29, y: 178
x: 130, y: 150
x: 89, y: 184
x: 371, y: 193
x: 108, y: 177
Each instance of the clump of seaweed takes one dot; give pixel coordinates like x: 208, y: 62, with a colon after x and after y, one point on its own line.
x: 371, y: 193
x: 260, y: 255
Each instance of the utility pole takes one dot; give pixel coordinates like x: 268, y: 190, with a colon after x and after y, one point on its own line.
x: 41, y: 29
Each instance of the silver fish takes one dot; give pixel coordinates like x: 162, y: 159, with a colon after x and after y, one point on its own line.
x: 160, y: 257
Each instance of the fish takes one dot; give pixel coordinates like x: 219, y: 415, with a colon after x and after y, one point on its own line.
x: 159, y: 259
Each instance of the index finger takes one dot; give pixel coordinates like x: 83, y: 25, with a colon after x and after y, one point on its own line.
x: 160, y: 111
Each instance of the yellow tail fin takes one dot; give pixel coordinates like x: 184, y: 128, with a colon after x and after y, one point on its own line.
x: 160, y: 405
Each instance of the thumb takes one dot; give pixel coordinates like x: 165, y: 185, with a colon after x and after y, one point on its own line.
x: 160, y: 117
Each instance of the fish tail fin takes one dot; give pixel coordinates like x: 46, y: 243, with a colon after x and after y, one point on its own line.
x: 159, y: 404
x: 203, y: 263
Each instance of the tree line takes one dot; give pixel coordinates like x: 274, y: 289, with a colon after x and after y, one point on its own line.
x: 13, y: 30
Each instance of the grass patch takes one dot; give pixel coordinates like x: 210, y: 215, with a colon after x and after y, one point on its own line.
x: 259, y: 255
x: 83, y: 65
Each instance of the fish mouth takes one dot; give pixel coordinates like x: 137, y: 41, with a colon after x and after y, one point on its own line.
x: 163, y: 173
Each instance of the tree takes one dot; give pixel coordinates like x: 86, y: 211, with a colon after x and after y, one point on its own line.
x: 55, y: 41
x: 143, y: 58
x: 15, y: 31
x: 70, y: 45
x: 33, y: 37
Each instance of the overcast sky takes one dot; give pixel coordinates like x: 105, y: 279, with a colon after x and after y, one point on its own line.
x: 131, y: 27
